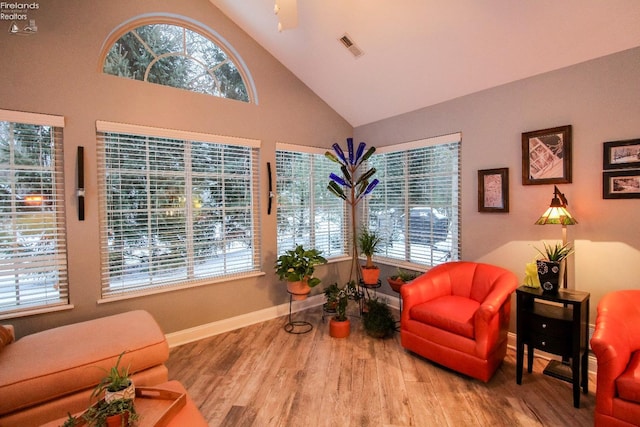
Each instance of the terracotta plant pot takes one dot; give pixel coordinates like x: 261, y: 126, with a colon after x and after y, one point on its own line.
x: 118, y: 420
x: 395, y: 283
x: 370, y: 276
x: 298, y: 290
x: 339, y: 329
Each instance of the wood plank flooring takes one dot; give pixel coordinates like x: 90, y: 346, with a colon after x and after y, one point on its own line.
x: 263, y: 376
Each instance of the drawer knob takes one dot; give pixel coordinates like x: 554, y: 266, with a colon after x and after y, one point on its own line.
x: 544, y: 325
x: 544, y: 343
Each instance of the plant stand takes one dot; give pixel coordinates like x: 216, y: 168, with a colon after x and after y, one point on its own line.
x: 296, y: 326
x: 364, y: 289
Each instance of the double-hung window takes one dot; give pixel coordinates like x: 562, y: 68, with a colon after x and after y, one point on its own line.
x: 416, y: 206
x: 33, y: 253
x: 308, y: 214
x: 177, y: 208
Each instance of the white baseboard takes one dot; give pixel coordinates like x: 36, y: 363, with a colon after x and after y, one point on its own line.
x: 186, y: 336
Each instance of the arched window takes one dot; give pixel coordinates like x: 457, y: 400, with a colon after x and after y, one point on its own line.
x: 170, y: 54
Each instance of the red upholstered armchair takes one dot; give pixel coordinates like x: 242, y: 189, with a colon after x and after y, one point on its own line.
x: 457, y: 315
x: 616, y: 345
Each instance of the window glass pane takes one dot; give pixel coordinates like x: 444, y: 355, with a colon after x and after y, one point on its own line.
x: 415, y: 208
x: 33, y: 266
x: 308, y: 214
x: 171, y: 55
x: 179, y: 212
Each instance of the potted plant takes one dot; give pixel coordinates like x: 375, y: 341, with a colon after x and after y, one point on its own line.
x: 340, y: 325
x: 297, y: 266
x: 400, y: 278
x: 369, y: 241
x: 116, y: 384
x: 551, y: 267
x: 378, y: 321
x: 116, y: 413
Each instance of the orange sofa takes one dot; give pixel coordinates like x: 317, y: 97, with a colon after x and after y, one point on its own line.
x: 616, y: 345
x: 47, y: 374
x: 457, y: 315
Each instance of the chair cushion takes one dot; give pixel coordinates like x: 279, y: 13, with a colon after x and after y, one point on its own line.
x: 628, y: 383
x: 451, y: 312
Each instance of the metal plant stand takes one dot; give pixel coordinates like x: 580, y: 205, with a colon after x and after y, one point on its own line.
x: 296, y: 326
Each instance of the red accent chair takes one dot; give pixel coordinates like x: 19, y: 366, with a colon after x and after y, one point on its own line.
x: 616, y: 345
x: 457, y: 315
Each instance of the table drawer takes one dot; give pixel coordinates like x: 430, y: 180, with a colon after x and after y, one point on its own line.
x: 550, y: 344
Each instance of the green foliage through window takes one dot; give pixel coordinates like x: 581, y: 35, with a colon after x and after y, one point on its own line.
x: 171, y: 55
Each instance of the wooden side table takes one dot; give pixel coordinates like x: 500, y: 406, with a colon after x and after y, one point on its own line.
x: 561, y: 329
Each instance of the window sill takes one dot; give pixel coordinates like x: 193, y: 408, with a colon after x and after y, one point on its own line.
x: 36, y: 310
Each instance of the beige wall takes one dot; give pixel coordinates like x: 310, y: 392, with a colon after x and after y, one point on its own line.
x: 56, y: 72
x: 601, y: 100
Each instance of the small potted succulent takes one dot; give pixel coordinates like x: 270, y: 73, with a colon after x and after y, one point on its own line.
x: 552, y: 265
x: 297, y: 266
x: 116, y: 384
x: 401, y: 278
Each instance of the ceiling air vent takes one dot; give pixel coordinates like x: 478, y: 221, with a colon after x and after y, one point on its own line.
x: 350, y: 45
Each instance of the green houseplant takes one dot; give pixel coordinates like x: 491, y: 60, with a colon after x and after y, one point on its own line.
x: 378, y: 320
x: 339, y: 325
x: 551, y: 267
x: 297, y: 266
x: 116, y: 384
x: 368, y: 241
x: 118, y: 412
x: 400, y: 278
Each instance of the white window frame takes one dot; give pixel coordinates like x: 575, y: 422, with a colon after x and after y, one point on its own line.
x: 27, y: 280
x: 336, y: 246
x: 112, y: 289
x: 411, y: 252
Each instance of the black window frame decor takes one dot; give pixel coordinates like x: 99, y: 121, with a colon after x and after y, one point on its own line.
x: 613, y: 148
x: 610, y: 189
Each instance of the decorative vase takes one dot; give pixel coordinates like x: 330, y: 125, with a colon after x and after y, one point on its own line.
x: 125, y: 393
x: 339, y: 328
x: 551, y: 275
x: 299, y: 290
x: 370, y: 276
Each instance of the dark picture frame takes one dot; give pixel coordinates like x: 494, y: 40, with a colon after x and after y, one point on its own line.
x: 493, y: 190
x: 546, y: 156
x: 621, y: 154
x: 621, y: 184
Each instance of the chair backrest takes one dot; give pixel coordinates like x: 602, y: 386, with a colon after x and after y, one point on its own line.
x: 471, y: 279
x: 620, y: 311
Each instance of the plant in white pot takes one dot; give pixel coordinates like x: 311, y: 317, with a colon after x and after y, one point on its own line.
x: 297, y: 266
x: 116, y: 384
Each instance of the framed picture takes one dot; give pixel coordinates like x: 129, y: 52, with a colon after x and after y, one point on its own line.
x: 621, y: 154
x: 546, y: 156
x: 621, y: 185
x: 493, y: 190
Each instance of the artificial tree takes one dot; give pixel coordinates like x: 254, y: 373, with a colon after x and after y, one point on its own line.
x: 352, y: 186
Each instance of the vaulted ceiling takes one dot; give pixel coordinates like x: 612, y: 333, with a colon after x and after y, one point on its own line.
x: 422, y: 52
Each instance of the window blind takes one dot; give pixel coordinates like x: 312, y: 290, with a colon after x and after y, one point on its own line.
x: 177, y: 208
x: 33, y: 251
x: 308, y: 214
x: 416, y: 206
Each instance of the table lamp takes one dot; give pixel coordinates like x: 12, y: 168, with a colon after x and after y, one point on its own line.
x: 557, y: 213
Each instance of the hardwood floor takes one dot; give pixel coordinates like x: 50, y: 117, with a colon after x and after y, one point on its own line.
x: 263, y: 376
